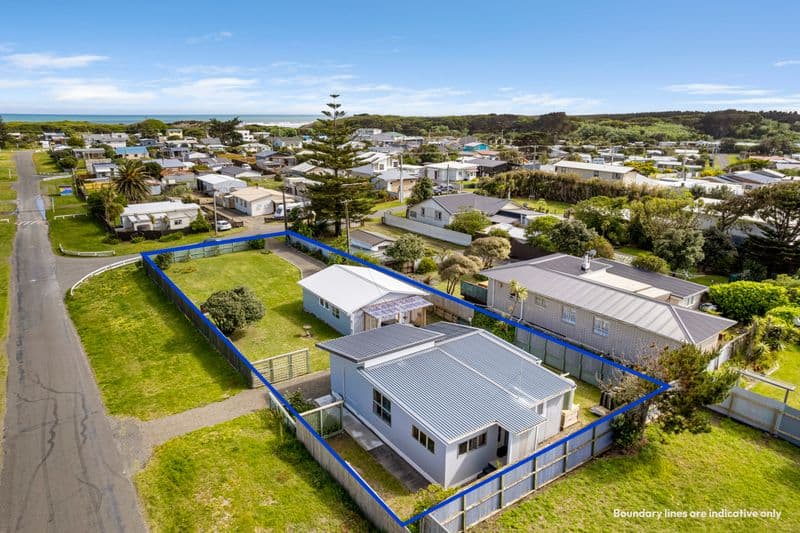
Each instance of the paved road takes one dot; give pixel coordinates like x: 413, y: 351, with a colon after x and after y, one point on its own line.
x: 61, y: 468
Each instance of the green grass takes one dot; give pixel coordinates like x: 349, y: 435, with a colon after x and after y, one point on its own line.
x: 44, y: 163
x: 274, y: 281
x: 387, y: 205
x: 788, y: 371
x: 238, y: 476
x: 390, y: 231
x: 551, y: 206
x: 394, y: 493
x: 6, y: 243
x: 709, y: 279
x: 630, y: 250
x: 148, y: 359
x: 731, y: 467
x: 6, y: 192
x: 586, y: 396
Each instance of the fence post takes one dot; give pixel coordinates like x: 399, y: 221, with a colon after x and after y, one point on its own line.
x: 271, y: 374
x: 463, y: 513
x: 502, y: 492
x: 308, y: 360
x: 534, y: 469
x: 594, y: 438
x: 290, y: 358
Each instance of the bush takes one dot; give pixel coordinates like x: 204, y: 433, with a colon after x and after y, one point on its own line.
x: 742, y: 300
x: 426, y: 265
x: 651, y: 263
x: 170, y: 237
x: 234, y: 309
x: 111, y: 239
x: 787, y: 313
x: 257, y: 244
x: 138, y: 238
x: 165, y: 260
x: 200, y: 224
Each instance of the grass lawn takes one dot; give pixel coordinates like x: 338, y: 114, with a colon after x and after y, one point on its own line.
x: 390, y: 231
x: 148, y: 359
x: 731, y: 467
x: 630, y: 250
x: 275, y: 282
x: 6, y: 242
x: 238, y: 476
x: 6, y: 192
x: 394, y: 493
x: 586, y: 396
x: 549, y: 206
x: 788, y: 371
x: 387, y: 205
x: 8, y: 169
x: 708, y: 279
x: 44, y: 163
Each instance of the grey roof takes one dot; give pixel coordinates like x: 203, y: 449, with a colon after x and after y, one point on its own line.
x: 453, y: 399
x: 265, y: 153
x: 379, y: 341
x: 569, y: 264
x: 453, y: 203
x: 369, y: 237
x: 234, y: 171
x: 661, y: 318
x: 449, y: 329
x: 487, y: 163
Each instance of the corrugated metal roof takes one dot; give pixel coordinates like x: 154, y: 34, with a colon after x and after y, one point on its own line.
x: 379, y: 341
x: 449, y: 329
x: 448, y: 397
x: 651, y: 315
x: 350, y: 287
x: 453, y: 203
x: 368, y: 237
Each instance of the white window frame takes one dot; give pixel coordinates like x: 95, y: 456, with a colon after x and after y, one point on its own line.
x: 478, y: 441
x: 423, y: 438
x: 601, y: 326
x: 335, y: 311
x: 540, y: 301
x: 569, y: 315
x: 382, y: 407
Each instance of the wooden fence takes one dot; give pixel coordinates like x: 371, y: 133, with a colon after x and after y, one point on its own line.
x: 282, y: 367
x: 762, y: 413
x: 450, y: 310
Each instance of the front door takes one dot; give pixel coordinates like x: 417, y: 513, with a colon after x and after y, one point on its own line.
x: 502, y: 442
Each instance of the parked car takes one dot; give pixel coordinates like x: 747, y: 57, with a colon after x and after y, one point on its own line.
x: 223, y: 225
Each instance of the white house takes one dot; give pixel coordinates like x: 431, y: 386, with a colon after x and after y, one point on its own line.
x: 591, y: 170
x: 157, y: 216
x: 215, y: 183
x: 239, y: 172
x: 256, y: 201
x: 450, y: 171
x: 453, y: 401
x: 369, y: 241
x: 440, y: 210
x: 352, y: 299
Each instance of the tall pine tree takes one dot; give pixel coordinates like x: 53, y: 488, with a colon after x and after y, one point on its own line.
x: 338, y: 190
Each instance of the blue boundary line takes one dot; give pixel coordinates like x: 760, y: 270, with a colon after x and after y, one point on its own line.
x: 662, y: 387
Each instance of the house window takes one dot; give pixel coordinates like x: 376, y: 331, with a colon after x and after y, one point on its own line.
x: 335, y: 311
x: 178, y: 222
x: 382, y: 407
x: 422, y: 211
x: 601, y: 326
x: 324, y: 303
x: 540, y: 408
x: 423, y: 439
x: 438, y: 215
x: 472, y: 444
x: 569, y: 315
x: 541, y: 301
x: 412, y: 214
x: 595, y: 174
x: 691, y: 299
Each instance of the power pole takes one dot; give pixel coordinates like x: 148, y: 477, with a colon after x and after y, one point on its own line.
x: 347, y: 223
x: 400, y: 194
x: 216, y: 231
x: 285, y: 213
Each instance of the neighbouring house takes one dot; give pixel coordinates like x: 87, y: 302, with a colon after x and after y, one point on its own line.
x: 175, y: 152
x: 214, y: 163
x: 240, y: 172
x: 175, y: 132
x: 750, y: 179
x: 245, y: 135
x: 255, y: 201
x: 175, y: 178
x: 287, y: 142
x: 440, y: 210
x: 389, y: 180
x: 594, y: 171
x: 211, y: 184
x: 157, y: 216
x: 89, y: 153
x: 475, y: 146
x: 114, y: 140
x: 369, y: 241
x: 212, y: 143
x: 352, y: 299
x: 450, y: 171
x: 609, y: 307
x: 488, y: 167
x: 174, y: 165
x: 307, y: 169
x: 455, y: 402
x: 298, y: 185
x: 105, y: 170
x: 132, y: 152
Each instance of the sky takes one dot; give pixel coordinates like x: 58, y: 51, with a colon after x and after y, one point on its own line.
x: 408, y: 58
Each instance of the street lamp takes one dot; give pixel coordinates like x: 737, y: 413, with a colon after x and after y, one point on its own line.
x: 216, y: 231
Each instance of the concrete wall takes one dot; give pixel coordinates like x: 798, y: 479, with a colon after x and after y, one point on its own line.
x: 428, y: 230
x: 623, y: 341
x: 311, y: 304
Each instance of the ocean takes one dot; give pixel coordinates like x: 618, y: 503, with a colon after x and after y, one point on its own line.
x: 288, y: 121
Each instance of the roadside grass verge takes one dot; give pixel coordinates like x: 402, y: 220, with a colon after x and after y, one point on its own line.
x: 732, y: 467
x: 8, y: 169
x: 7, y: 230
x: 789, y: 371
x: 148, y: 359
x: 240, y: 476
x: 274, y: 281
x: 44, y: 163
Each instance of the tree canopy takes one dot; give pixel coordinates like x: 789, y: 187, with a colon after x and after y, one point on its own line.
x: 130, y: 180
x: 489, y: 250
x: 233, y: 309
x: 407, y: 248
x: 469, y: 221
x: 455, y: 267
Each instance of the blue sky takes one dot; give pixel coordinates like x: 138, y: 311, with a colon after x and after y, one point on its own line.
x: 407, y: 57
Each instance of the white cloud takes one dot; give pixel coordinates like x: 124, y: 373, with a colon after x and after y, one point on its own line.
x: 213, y: 37
x: 309, y: 81
x: 716, y: 88
x: 790, y: 100
x: 97, y: 91
x: 15, y: 84
x: 41, y: 61
x: 231, y: 92
x: 786, y: 63
x: 208, y: 69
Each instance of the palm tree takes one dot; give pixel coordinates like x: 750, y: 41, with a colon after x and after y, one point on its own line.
x: 520, y: 293
x: 130, y: 180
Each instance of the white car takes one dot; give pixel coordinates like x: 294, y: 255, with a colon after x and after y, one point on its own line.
x: 223, y: 225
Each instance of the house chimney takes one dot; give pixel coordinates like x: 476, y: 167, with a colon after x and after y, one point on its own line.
x: 587, y: 260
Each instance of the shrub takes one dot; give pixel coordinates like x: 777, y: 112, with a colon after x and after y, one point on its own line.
x: 426, y: 265
x: 257, y: 244
x: 170, y: 237
x: 165, y: 260
x: 742, y: 300
x: 651, y: 263
x: 299, y: 403
x: 200, y: 224
x: 787, y: 313
x: 111, y: 239
x: 234, y: 309
x: 138, y: 238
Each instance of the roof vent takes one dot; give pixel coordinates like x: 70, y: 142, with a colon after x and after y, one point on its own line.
x: 587, y: 260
